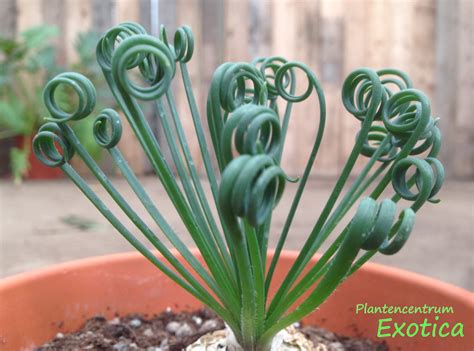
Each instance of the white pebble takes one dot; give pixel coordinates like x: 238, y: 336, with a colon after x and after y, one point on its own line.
x: 168, y: 309
x: 59, y: 335
x: 148, y: 332
x: 184, y: 330
x: 172, y: 327
x: 208, y: 326
x: 336, y: 346
x: 121, y: 346
x: 116, y: 320
x: 135, y: 323
x: 197, y: 320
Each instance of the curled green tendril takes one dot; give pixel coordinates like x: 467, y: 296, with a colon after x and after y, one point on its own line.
x: 107, y: 44
x: 282, y: 81
x: 233, y: 89
x: 380, y: 229
x: 403, y: 112
x: 374, y: 223
x: 389, y: 78
x: 183, y: 44
x: 50, y: 147
x: 107, y: 128
x: 376, y: 135
x: 399, y: 233
x: 268, y: 68
x: 427, y: 181
x: 228, y: 91
x: 250, y: 187
x: 383, y: 235
x: 156, y: 58
x: 362, y: 93
x: 251, y: 129
x: 432, y: 140
x: 82, y: 87
x: 439, y: 176
x: 393, y: 77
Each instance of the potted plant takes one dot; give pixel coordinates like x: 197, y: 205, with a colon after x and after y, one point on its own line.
x: 26, y: 65
x: 256, y: 293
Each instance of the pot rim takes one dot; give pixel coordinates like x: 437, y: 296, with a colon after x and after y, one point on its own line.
x: 407, y: 277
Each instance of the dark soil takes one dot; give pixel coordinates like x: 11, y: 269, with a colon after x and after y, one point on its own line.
x: 171, y: 331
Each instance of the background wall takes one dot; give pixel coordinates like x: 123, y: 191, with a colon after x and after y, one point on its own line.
x: 431, y: 40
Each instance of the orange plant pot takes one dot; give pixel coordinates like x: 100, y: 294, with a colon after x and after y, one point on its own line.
x: 35, y: 306
x: 37, y: 170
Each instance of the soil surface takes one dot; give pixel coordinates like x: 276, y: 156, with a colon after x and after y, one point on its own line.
x: 170, y: 331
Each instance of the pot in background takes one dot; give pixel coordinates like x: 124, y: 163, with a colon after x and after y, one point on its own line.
x: 37, y: 170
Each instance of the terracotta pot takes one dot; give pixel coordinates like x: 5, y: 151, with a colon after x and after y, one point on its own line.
x: 40, y: 171
x: 37, y: 169
x: 35, y: 306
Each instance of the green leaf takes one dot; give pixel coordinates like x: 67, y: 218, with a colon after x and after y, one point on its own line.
x: 39, y: 36
x: 8, y: 46
x: 85, y: 44
x: 43, y: 59
x: 13, y: 117
x: 19, y: 163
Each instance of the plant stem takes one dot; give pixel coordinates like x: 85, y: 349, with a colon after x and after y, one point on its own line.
x: 150, y: 146
x: 201, y: 294
x: 309, y: 165
x: 197, y: 185
x: 165, y: 227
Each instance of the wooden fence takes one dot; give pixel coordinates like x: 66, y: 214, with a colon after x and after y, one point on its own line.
x: 430, y: 40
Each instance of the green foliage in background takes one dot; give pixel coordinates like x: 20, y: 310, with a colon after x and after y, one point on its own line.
x: 26, y: 64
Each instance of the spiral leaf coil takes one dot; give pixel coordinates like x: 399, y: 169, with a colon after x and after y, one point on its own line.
x: 250, y: 187
x: 83, y: 89
x: 155, y: 55
x: 383, y: 234
x: 429, y: 177
x: 112, y: 38
x: 362, y: 93
x: 107, y: 128
x: 251, y: 130
x: 375, y: 137
x: 51, y: 147
x: 269, y: 67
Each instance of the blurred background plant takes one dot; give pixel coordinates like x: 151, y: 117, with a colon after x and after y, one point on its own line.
x: 26, y: 64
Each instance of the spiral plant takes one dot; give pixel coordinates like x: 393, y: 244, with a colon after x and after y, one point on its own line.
x: 247, y: 129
